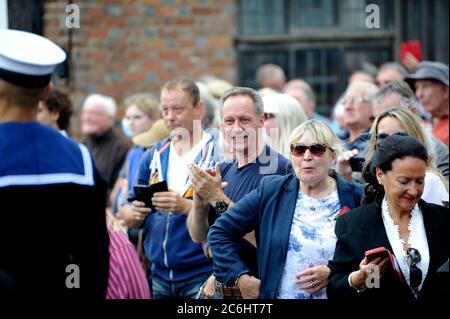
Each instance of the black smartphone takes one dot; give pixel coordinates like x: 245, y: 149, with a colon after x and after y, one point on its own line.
x: 145, y: 193
x: 357, y: 163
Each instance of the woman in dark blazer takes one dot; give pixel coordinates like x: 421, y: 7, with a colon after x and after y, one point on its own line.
x: 414, y: 231
x: 293, y: 217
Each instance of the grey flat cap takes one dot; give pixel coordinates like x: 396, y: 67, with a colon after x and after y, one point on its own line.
x: 429, y: 70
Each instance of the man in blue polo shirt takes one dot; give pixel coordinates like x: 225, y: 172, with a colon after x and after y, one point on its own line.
x: 242, y: 114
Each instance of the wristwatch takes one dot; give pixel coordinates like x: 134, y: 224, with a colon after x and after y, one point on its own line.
x: 221, y: 206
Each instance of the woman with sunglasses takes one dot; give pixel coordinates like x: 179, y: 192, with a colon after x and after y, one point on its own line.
x: 293, y: 217
x: 400, y: 121
x: 414, y: 231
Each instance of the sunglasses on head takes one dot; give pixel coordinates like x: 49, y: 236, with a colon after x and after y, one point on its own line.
x: 315, y: 149
x: 382, y: 136
x: 415, y: 274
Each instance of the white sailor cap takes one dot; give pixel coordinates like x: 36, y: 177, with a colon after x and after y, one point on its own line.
x: 26, y: 59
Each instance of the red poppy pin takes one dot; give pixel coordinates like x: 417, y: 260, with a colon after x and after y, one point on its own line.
x: 343, y: 210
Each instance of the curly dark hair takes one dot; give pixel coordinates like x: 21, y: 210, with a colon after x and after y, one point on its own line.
x: 392, y: 148
x: 58, y: 101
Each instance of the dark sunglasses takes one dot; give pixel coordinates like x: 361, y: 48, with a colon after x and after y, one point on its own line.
x: 315, y: 149
x: 415, y: 274
x: 382, y: 136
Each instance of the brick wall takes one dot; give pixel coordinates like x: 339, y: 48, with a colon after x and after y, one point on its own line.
x: 131, y: 46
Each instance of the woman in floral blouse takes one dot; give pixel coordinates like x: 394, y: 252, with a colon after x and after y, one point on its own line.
x: 294, y: 218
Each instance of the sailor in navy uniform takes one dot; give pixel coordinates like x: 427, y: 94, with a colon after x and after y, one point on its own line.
x: 53, y: 237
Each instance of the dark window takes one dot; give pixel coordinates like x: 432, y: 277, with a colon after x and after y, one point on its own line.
x: 320, y: 68
x: 262, y: 16
x: 315, y: 13
x: 26, y: 15
x: 324, y: 41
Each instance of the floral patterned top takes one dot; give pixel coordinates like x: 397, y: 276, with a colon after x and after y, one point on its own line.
x: 311, y: 242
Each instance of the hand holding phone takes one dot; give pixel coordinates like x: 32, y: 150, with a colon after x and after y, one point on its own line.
x: 382, y: 252
x: 377, y: 252
x: 145, y: 193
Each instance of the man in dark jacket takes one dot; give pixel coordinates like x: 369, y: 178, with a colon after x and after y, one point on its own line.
x: 108, y: 148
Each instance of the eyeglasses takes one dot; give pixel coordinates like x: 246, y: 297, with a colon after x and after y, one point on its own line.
x: 382, y: 136
x: 315, y: 149
x: 268, y: 116
x: 354, y: 100
x: 415, y: 274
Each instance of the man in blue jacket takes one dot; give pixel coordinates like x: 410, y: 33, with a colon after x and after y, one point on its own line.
x: 179, y: 266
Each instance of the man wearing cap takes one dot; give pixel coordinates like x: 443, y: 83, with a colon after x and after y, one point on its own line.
x: 54, y: 242
x: 431, y: 87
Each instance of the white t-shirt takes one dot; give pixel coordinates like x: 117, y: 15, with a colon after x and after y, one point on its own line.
x: 178, y: 174
x: 434, y: 190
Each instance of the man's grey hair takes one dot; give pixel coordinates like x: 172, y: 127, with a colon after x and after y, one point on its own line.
x: 107, y: 102
x: 268, y: 71
x: 256, y: 98
x: 370, y: 90
x: 402, y: 89
x: 394, y: 66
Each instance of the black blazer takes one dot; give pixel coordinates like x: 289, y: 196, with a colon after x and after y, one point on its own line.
x: 362, y: 229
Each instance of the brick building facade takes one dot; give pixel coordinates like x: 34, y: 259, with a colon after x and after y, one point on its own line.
x: 126, y: 47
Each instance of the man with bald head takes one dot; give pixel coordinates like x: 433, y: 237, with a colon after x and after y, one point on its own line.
x: 390, y: 72
x: 270, y: 76
x: 304, y: 94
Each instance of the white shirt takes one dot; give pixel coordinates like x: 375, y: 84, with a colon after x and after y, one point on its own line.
x: 434, y: 190
x: 178, y: 172
x: 417, y: 239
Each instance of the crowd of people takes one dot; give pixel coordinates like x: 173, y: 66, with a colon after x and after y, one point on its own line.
x: 263, y: 197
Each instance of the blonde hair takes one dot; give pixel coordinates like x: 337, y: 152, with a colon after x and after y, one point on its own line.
x: 289, y: 114
x: 145, y: 102
x: 321, y: 132
x: 413, y: 126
